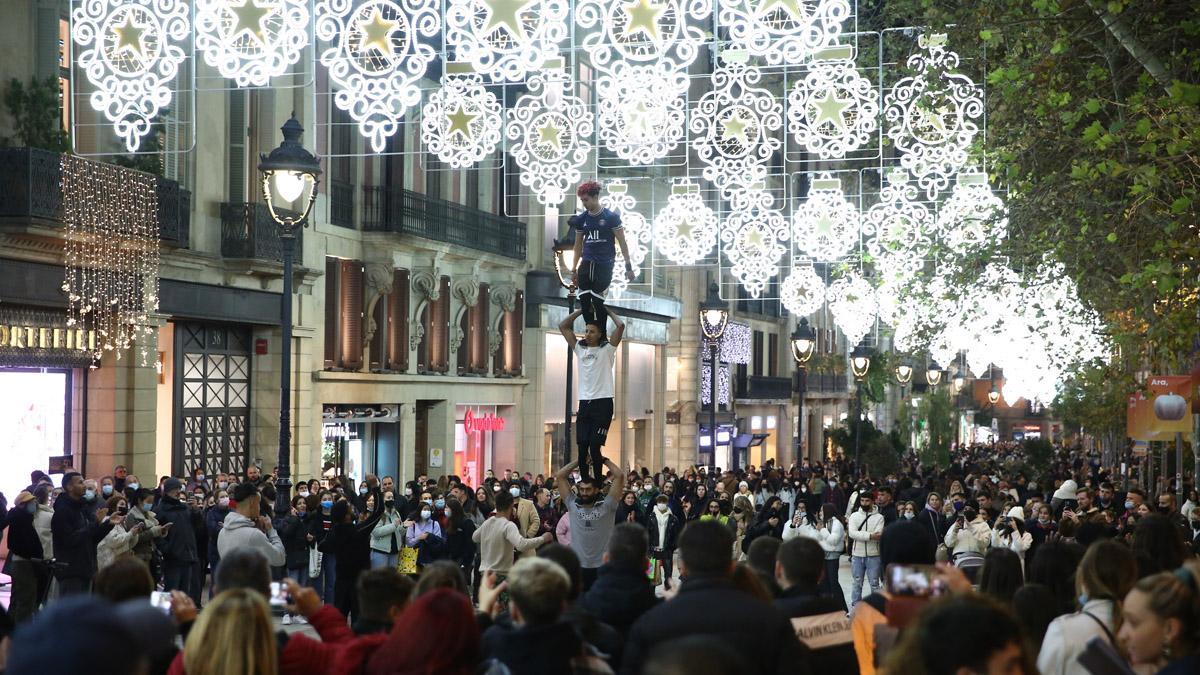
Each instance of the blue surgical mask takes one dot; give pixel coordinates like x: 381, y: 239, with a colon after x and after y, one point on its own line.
x: 1083, y: 599
x: 89, y: 495
x: 134, y: 486
x: 31, y: 507
x: 425, y: 514
x: 440, y: 503
x: 362, y: 490
x: 327, y: 504
x: 107, y: 490
x: 1128, y: 504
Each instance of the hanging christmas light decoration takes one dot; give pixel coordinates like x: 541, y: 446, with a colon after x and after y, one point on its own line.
x: 685, y: 230
x: 637, y: 236
x: 783, y: 31
x: 734, y: 125
x: 887, y: 300
x: 251, y: 41
x: 897, y: 226
x: 665, y: 34
x: 131, y: 54
x: 932, y: 115
x: 461, y: 120
x: 550, y: 131
x: 825, y: 226
x: 750, y: 239
x: 111, y: 255
x: 646, y: 120
x: 973, y: 216
x: 506, y: 39
x: 376, y: 58
x: 803, y: 291
x: 853, y: 306
x: 833, y: 109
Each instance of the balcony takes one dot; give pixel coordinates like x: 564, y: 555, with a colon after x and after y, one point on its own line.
x: 31, y: 197
x: 826, y: 383
x: 755, y: 387
x: 249, y: 233
x: 407, y: 212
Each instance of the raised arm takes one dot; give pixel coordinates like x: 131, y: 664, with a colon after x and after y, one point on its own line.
x: 618, y: 484
x: 567, y: 327
x: 614, y: 338
x: 560, y: 478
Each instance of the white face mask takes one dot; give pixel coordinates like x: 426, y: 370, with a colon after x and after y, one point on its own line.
x: 426, y: 514
x: 303, y: 493
x: 448, y: 513
x: 514, y: 491
x: 662, y: 508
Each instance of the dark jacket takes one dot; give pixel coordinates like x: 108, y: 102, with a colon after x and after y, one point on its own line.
x: 22, y: 537
x: 214, y: 522
x: 350, y: 544
x: 826, y: 631
x: 179, y: 546
x: 292, y: 531
x: 459, y: 547
x: 619, y: 596
x: 75, y: 538
x: 890, y: 514
x: 713, y: 607
x: 533, y: 650
x: 653, y: 533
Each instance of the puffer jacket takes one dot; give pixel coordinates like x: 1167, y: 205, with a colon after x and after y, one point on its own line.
x: 388, y: 531
x: 974, y: 538
x: 143, y: 548
x: 115, y: 544
x: 860, y: 529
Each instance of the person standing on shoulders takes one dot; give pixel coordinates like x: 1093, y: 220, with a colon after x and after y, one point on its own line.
x: 598, y: 232
x: 597, y: 356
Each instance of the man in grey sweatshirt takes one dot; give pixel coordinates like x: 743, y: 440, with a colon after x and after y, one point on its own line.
x: 246, y: 528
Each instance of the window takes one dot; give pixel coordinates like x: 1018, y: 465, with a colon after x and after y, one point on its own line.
x: 773, y: 355
x: 756, y: 353
x: 343, y: 314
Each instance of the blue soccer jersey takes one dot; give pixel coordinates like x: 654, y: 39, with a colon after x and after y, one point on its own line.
x: 599, y: 235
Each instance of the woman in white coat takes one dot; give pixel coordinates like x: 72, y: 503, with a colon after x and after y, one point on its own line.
x: 1010, y: 533
x: 831, y: 535
x: 1105, y: 575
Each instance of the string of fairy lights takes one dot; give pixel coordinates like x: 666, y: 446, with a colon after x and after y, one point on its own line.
x: 786, y: 80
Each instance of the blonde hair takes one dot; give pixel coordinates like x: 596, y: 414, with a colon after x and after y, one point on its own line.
x: 233, y: 636
x: 1176, y: 595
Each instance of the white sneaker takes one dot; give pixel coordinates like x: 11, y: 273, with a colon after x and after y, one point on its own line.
x: 287, y: 620
x: 299, y: 618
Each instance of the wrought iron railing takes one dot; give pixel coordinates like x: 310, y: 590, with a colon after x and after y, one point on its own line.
x: 248, y: 231
x: 757, y: 387
x: 826, y: 383
x: 341, y: 203
x: 404, y: 211
x: 31, y: 187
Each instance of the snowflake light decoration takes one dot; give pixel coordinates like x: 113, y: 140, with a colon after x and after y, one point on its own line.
x: 832, y: 110
x: 826, y: 226
x: 637, y: 235
x: 973, y: 216
x: 506, y: 39
x: 803, y: 291
x: 733, y: 125
x: 251, y: 41
x: 750, y: 239
x: 685, y: 230
x: 376, y: 58
x: 852, y: 304
x: 666, y: 34
x: 898, y: 225
x: 783, y: 31
x: 550, y: 131
x: 932, y: 115
x: 646, y: 122
x: 130, y: 55
x: 460, y: 123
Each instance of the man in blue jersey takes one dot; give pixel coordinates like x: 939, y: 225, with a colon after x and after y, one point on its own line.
x: 598, y: 232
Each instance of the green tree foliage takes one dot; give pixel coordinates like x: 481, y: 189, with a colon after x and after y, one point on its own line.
x: 1094, y: 401
x: 1039, y: 454
x: 936, y: 415
x: 37, y: 114
x: 880, y: 452
x: 1091, y: 126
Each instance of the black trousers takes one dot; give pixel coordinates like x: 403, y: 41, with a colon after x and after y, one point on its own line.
x: 591, y: 431
x: 592, y: 281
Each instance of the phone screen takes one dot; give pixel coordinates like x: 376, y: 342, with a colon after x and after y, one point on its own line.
x: 650, y: 569
x: 161, y: 600
x: 914, y: 581
x: 279, y: 594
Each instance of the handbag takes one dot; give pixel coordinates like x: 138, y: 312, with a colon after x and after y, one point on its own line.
x: 407, y: 561
x: 315, y: 558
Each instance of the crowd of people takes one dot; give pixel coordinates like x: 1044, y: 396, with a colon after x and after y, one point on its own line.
x: 692, y: 571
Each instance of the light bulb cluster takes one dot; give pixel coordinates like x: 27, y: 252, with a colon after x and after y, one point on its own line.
x: 111, y: 255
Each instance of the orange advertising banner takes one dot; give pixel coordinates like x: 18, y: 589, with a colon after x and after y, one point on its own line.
x: 1163, y: 410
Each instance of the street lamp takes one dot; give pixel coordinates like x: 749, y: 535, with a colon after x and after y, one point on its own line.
x: 860, y: 363
x: 293, y: 173
x: 993, y: 395
x: 714, y: 316
x: 933, y: 374
x: 804, y: 339
x: 904, y: 374
x: 564, y: 265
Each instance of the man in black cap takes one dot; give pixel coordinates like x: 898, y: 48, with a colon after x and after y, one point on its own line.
x: 75, y: 536
x: 178, y: 547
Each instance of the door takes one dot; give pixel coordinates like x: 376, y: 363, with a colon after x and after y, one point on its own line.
x: 212, y: 430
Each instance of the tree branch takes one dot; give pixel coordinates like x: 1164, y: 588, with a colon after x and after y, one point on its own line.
x: 1136, y: 49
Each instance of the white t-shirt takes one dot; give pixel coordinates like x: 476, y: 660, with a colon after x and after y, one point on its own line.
x: 595, y: 370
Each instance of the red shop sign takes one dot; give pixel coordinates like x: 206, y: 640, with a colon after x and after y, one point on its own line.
x: 488, y: 422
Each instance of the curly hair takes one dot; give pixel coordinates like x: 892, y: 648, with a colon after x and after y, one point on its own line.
x: 589, y: 187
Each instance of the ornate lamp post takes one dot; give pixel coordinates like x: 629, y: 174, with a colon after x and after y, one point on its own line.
x: 564, y: 265
x: 860, y: 363
x: 933, y: 374
x: 904, y: 373
x: 291, y: 172
x: 714, y: 316
x: 803, y: 340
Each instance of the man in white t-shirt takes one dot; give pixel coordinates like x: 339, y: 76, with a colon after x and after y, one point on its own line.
x: 596, y: 359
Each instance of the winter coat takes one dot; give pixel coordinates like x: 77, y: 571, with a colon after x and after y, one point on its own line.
x: 533, y: 650
x: 974, y: 538
x: 350, y: 544
x: 528, y: 523
x: 388, y: 535
x: 23, y: 538
x: 115, y: 544
x: 292, y: 531
x: 214, y: 522
x: 143, y: 547
x: 459, y: 546
x: 860, y: 529
x: 619, y: 596
x: 75, y: 538
x: 1068, y: 635
x: 820, y: 622
x: 42, y: 524
x: 712, y: 607
x: 239, y: 532
x: 179, y: 546
x: 655, y: 535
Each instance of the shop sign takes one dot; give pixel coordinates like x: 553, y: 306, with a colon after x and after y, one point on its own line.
x: 1162, y: 410
x: 488, y: 422
x: 40, y: 339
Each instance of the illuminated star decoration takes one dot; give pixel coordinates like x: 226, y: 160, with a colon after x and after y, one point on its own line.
x: 637, y: 235
x: 375, y: 33
x: 129, y: 37
x: 549, y: 133
x: 685, y: 230
x: 646, y: 122
x: 504, y: 14
x: 642, y: 16
x: 832, y: 109
x: 735, y: 127
x: 750, y: 240
x: 792, y: 7
x: 248, y: 17
x: 826, y: 225
x: 460, y: 121
x: 783, y: 31
x: 504, y: 40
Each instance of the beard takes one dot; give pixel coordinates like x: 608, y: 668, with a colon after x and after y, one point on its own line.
x: 586, y: 501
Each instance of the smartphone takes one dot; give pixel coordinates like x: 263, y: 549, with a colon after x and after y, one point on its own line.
x: 279, y: 594
x: 919, y: 581
x: 650, y: 569
x: 161, y: 600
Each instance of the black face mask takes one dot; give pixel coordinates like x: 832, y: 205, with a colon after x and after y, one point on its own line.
x: 389, y: 503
